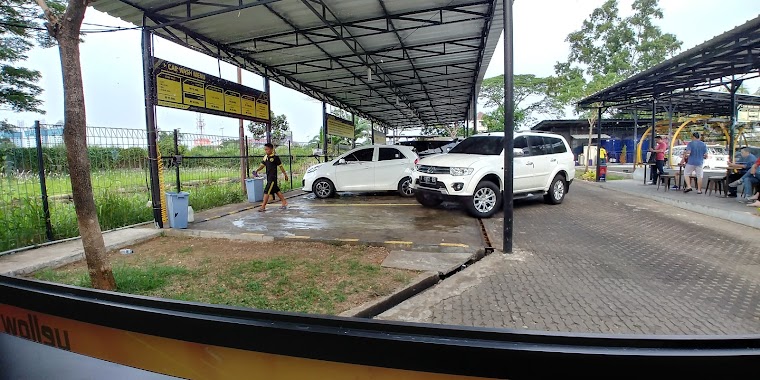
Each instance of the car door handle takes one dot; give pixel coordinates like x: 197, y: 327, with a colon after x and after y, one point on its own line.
x: 553, y: 160
x: 529, y: 163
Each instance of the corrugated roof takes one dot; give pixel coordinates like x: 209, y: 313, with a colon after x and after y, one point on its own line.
x: 731, y: 55
x: 427, y: 57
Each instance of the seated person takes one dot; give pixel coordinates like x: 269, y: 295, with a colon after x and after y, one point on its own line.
x: 748, y: 180
x: 755, y: 199
x: 741, y: 167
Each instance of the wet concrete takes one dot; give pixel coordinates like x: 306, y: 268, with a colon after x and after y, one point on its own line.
x: 358, y: 218
x: 440, y: 262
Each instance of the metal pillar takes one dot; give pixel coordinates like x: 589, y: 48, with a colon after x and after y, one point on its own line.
x: 509, y: 121
x: 324, y: 130
x: 670, y: 109
x: 475, y: 102
x: 598, y: 143
x: 269, y: 99
x: 654, y: 122
x: 734, y: 116
x: 635, y: 138
x: 176, y: 161
x: 43, y: 184
x: 150, y: 118
x: 353, y: 121
x: 651, y: 140
x: 241, y: 136
x: 372, y: 132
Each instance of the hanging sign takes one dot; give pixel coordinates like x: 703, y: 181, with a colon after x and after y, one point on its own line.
x: 340, y: 127
x: 180, y: 87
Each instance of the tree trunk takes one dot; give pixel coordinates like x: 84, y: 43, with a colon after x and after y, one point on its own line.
x: 67, y: 34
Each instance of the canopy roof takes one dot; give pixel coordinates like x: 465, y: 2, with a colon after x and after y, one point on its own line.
x: 730, y: 56
x: 697, y: 102
x: 427, y: 57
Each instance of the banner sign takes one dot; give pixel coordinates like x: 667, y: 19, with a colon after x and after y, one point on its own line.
x: 379, y: 137
x: 180, y: 87
x: 340, y: 127
x: 749, y: 113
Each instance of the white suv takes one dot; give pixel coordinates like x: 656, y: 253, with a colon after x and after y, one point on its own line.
x: 472, y: 172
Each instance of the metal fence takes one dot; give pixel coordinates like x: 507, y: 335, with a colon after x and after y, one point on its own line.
x: 35, y: 188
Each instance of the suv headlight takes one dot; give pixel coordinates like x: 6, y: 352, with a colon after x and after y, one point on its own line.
x: 458, y: 172
x: 312, y: 169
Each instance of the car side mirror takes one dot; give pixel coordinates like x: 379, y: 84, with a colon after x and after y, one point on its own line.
x: 518, y: 152
x: 342, y: 161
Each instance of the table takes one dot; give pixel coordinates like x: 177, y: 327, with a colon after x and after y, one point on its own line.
x: 651, y: 168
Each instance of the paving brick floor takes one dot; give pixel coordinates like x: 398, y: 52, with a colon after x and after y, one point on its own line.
x: 606, y: 262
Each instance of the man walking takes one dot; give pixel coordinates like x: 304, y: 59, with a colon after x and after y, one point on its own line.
x: 659, y: 152
x: 271, y: 162
x: 695, y: 152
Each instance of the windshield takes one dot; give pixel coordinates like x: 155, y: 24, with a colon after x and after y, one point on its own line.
x: 719, y: 150
x: 487, y: 145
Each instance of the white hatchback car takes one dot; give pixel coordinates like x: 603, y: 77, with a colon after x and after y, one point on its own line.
x: 717, y: 156
x: 364, y: 169
x: 472, y: 172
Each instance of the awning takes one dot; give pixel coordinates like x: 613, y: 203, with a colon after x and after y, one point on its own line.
x: 398, y: 62
x: 731, y: 56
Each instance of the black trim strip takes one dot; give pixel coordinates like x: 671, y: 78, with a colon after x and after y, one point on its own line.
x: 482, y: 352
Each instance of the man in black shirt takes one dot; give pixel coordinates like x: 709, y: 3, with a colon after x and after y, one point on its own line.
x: 271, y: 162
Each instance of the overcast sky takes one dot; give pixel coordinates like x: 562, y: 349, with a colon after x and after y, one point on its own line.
x: 112, y: 66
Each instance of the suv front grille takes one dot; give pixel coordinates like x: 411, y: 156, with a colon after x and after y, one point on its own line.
x: 433, y: 169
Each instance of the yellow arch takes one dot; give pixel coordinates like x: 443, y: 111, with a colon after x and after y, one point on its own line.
x: 665, y: 123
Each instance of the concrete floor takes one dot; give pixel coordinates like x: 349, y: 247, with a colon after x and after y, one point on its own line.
x: 357, y: 217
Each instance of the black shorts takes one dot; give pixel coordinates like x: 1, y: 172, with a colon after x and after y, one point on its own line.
x: 272, y: 188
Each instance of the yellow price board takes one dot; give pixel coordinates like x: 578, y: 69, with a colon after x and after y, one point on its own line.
x: 181, y: 87
x: 379, y: 137
x: 340, y: 127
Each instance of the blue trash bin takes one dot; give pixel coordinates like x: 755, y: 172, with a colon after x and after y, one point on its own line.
x: 255, y: 189
x: 177, y: 208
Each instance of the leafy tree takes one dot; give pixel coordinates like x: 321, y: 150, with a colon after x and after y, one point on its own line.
x: 444, y: 130
x: 280, y: 129
x: 608, y: 49
x: 530, y: 97
x: 66, y: 28
x: 20, y: 27
x: 5, y: 126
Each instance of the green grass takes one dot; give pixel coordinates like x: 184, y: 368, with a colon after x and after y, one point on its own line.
x: 133, y: 280
x: 22, y: 219
x: 319, y: 280
x: 579, y: 174
x: 290, y: 284
x: 27, y: 185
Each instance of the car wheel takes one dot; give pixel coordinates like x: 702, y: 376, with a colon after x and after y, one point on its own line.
x: 557, y: 191
x: 427, y: 200
x: 485, y: 201
x: 323, y: 188
x: 405, y: 187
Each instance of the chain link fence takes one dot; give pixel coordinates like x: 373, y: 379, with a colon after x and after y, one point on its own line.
x: 35, y: 188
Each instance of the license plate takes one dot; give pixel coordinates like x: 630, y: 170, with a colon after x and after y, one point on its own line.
x: 428, y: 180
